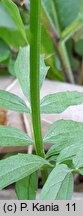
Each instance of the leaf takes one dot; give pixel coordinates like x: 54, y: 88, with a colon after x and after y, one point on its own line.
x: 79, y: 47
x: 11, y: 67
x: 73, y: 61
x: 81, y: 8
x: 7, y: 21
x: 14, y: 13
x: 68, y: 153
x: 59, y: 185
x: 70, y: 9
x: 56, y: 8
x: 22, y: 70
x: 46, y: 45
x: 72, y: 28
x: 58, y: 102
x: 8, y: 30
x: 78, y: 35
x: 12, y: 37
x: 43, y: 70
x: 47, y: 5
x: 17, y: 167
x: 78, y: 161
x: 26, y: 188
x: 51, y: 58
x: 63, y: 133
x: 52, y: 158
x: 4, y: 51
x: 10, y: 136
x: 12, y: 102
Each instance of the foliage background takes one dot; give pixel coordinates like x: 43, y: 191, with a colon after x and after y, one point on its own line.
x: 62, y: 21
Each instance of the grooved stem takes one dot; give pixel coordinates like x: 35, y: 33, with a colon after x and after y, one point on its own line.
x: 35, y: 41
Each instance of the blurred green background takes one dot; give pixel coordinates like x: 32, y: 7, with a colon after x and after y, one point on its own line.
x: 61, y: 38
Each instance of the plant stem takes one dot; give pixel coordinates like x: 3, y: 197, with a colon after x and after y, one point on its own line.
x: 63, y: 56
x: 56, y: 18
x: 35, y: 41
x: 61, y: 48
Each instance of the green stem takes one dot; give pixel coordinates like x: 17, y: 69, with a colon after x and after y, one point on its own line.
x: 56, y: 18
x: 63, y: 55
x: 35, y: 41
x: 60, y: 48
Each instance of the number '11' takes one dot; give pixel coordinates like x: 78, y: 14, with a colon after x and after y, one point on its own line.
x: 73, y: 205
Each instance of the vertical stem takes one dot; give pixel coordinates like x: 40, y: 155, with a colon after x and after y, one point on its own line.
x: 63, y: 55
x: 61, y: 48
x: 54, y: 10
x: 35, y: 31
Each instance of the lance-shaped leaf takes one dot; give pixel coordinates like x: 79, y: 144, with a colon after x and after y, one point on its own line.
x: 10, y: 136
x: 12, y: 102
x: 14, y: 13
x: 58, y: 102
x: 63, y: 133
x: 78, y: 161
x: 15, y: 168
x: 69, y: 152
x: 59, y: 185
x: 26, y: 188
x: 22, y: 70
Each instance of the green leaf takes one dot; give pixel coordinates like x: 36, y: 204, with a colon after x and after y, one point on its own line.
x: 26, y: 188
x: 46, y: 45
x: 78, y: 161
x: 12, y: 102
x: 78, y: 35
x: 22, y: 70
x: 11, y: 67
x: 70, y: 9
x: 43, y: 70
x: 56, y: 8
x: 73, y: 61
x: 7, y: 21
x: 72, y: 28
x: 4, y: 51
x: 68, y: 153
x: 59, y: 185
x: 58, y: 102
x: 47, y: 5
x: 51, y: 58
x: 12, y: 37
x: 79, y: 47
x: 52, y: 158
x: 8, y: 30
x: 10, y: 136
x: 17, y: 167
x: 63, y: 133
x: 14, y: 13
